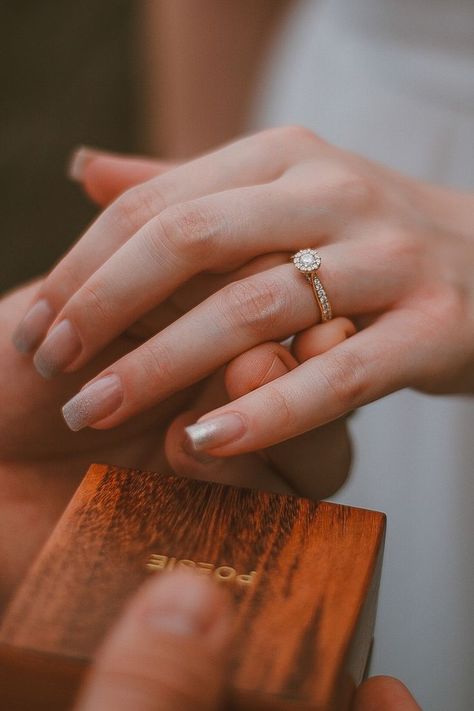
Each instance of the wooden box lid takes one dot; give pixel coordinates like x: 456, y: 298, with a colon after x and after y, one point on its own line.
x: 304, y: 576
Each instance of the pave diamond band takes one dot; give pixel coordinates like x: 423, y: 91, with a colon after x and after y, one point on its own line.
x: 321, y: 297
x: 308, y: 262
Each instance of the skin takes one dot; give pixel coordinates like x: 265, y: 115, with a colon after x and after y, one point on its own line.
x: 182, y: 641
x: 171, y: 651
x: 397, y: 258
x: 42, y: 462
x: 181, y: 139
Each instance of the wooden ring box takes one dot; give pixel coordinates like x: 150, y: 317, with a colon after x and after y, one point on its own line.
x: 304, y: 576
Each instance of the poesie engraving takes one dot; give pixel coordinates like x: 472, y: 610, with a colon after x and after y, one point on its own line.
x: 221, y: 573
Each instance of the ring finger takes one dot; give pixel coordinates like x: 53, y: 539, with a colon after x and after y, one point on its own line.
x: 216, y: 233
x: 271, y: 305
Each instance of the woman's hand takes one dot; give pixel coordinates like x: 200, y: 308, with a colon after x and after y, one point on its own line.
x: 42, y: 462
x: 171, y: 648
x: 397, y: 255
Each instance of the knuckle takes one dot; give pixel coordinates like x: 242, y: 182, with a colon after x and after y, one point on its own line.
x: 63, y: 281
x: 341, y: 188
x: 357, y: 189
x: 346, y: 377
x: 298, y: 133
x: 291, y: 135
x: 94, y: 304
x: 401, y: 247
x: 136, y: 205
x: 255, y: 305
x: 457, y: 303
x: 278, y: 404
x: 450, y: 304
x: 156, y: 364
x: 189, y: 230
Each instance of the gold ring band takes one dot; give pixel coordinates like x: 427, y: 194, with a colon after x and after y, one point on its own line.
x: 308, y: 262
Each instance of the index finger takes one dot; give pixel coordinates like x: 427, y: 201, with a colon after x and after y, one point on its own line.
x: 250, y: 161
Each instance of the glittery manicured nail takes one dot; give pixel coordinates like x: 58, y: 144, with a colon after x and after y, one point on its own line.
x: 58, y: 350
x: 33, y: 327
x: 216, y: 432
x: 201, y: 457
x: 94, y: 402
x: 78, y: 162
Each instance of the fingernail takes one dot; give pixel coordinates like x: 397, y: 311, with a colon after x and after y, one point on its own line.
x: 191, y: 452
x: 216, y: 431
x: 58, y: 350
x: 78, y: 162
x: 94, y: 402
x: 33, y: 327
x: 182, y: 603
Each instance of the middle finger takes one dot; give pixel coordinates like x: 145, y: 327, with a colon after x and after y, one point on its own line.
x: 217, y: 233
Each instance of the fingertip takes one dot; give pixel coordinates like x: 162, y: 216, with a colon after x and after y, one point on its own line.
x: 347, y: 325
x: 97, y: 172
x: 256, y: 367
x: 168, y: 650
x: 384, y: 693
x: 78, y: 162
x: 104, y: 175
x: 184, y: 602
x: 182, y: 457
x: 181, y: 611
x: 321, y: 338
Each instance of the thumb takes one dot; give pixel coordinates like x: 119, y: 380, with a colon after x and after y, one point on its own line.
x: 104, y: 176
x: 384, y: 693
x: 168, y: 652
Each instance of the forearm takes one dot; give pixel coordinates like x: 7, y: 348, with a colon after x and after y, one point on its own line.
x: 201, y: 61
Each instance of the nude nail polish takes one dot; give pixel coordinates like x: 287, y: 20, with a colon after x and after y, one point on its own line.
x: 60, y: 347
x: 33, y: 327
x: 94, y: 402
x: 79, y: 161
x: 216, y: 431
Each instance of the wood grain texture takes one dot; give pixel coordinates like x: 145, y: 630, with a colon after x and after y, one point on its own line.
x: 304, y: 627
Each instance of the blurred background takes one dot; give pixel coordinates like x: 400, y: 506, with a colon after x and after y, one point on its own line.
x: 69, y: 76
x: 112, y: 74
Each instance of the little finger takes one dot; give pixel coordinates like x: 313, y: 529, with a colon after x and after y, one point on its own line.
x: 369, y: 365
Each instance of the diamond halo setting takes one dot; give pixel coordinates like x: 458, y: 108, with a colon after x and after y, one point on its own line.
x: 307, y: 260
